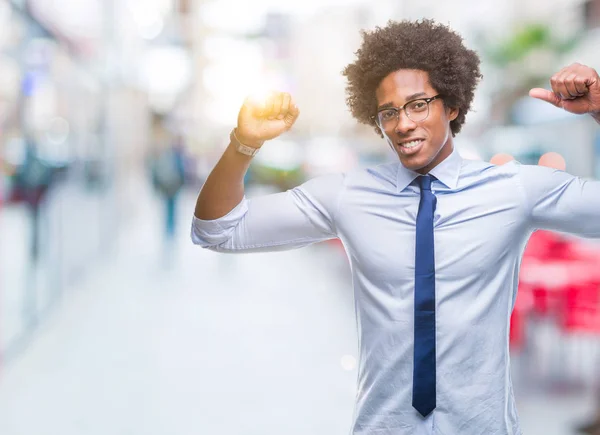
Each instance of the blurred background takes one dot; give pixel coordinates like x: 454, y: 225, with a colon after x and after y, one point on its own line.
x: 112, y: 114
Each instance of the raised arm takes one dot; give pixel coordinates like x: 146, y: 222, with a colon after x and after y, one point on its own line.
x: 226, y: 221
x: 557, y: 200
x: 257, y: 122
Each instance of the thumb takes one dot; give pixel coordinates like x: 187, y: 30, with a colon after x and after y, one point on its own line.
x: 546, y: 95
x: 253, y: 106
x: 292, y: 115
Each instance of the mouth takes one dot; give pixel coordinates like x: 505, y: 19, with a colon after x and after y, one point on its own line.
x: 411, y: 147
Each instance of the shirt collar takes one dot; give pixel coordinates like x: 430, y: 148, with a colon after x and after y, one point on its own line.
x: 446, y: 171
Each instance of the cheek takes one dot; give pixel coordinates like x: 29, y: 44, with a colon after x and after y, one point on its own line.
x: 439, y: 131
x: 435, y: 132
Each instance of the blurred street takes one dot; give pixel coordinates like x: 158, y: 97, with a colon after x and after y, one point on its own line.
x: 213, y: 344
x: 207, y: 343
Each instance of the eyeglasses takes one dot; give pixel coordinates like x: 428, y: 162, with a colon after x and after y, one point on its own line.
x: 416, y: 110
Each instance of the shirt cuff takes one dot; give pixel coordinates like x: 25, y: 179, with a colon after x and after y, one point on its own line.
x: 217, y: 226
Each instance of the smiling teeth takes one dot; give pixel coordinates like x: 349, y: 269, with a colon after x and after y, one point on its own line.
x: 412, y: 144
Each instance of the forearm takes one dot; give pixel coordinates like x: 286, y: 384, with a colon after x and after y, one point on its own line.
x: 224, y: 187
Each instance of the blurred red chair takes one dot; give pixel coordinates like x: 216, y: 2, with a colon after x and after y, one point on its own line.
x: 581, y: 312
x: 518, y: 318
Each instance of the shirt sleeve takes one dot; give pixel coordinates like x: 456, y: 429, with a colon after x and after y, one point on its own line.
x: 559, y: 201
x: 280, y: 221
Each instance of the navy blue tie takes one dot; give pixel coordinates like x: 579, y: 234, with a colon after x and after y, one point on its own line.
x: 424, y: 347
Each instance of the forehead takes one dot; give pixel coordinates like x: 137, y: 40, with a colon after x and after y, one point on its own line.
x: 399, y: 85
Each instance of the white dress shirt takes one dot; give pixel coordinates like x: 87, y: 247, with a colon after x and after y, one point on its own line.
x: 484, y: 217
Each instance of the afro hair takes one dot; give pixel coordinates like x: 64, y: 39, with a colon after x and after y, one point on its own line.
x: 423, y: 45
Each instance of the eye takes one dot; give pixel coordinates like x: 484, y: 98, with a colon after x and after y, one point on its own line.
x: 388, y: 114
x: 418, y: 106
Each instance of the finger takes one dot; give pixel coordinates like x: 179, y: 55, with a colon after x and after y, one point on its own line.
x: 580, y: 84
x: 501, y: 158
x: 553, y: 160
x: 557, y: 82
x: 292, y: 114
x: 269, y: 103
x: 569, y: 82
x: 545, y: 95
x: 277, y: 103
x: 285, y: 105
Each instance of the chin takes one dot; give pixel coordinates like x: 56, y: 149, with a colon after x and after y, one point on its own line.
x: 414, y: 163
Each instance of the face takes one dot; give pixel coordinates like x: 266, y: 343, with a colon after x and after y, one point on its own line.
x: 421, y: 145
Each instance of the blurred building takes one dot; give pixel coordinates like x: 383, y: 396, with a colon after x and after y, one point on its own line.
x: 79, y: 81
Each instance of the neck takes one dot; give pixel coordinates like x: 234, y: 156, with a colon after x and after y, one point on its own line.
x: 441, y: 156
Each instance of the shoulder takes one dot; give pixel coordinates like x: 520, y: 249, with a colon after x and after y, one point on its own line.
x: 521, y: 173
x: 482, y: 171
x: 380, y: 176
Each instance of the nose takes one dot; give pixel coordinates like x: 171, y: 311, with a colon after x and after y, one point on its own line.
x: 404, y: 124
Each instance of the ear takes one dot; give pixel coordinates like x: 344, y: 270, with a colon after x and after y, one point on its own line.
x: 452, y: 113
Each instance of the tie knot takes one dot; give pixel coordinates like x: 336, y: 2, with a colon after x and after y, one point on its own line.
x: 425, y: 182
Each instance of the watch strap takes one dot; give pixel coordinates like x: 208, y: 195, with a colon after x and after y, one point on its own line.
x: 242, y: 148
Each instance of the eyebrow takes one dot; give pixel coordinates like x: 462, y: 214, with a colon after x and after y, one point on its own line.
x: 409, y: 98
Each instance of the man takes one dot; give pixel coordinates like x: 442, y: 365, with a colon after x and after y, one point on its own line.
x: 434, y: 241
x: 168, y: 177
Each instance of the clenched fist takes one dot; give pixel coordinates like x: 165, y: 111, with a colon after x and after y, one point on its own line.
x: 575, y: 88
x: 259, y: 121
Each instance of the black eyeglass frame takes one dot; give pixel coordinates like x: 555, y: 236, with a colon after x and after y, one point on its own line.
x: 427, y: 100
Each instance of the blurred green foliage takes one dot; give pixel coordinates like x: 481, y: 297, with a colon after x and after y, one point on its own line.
x: 283, y: 179
x: 529, y: 37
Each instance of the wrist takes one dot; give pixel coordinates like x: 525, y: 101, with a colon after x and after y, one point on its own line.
x: 234, y: 152
x: 242, y: 147
x: 252, y: 143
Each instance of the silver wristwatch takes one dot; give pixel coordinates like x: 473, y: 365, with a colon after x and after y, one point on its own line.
x: 240, y: 147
